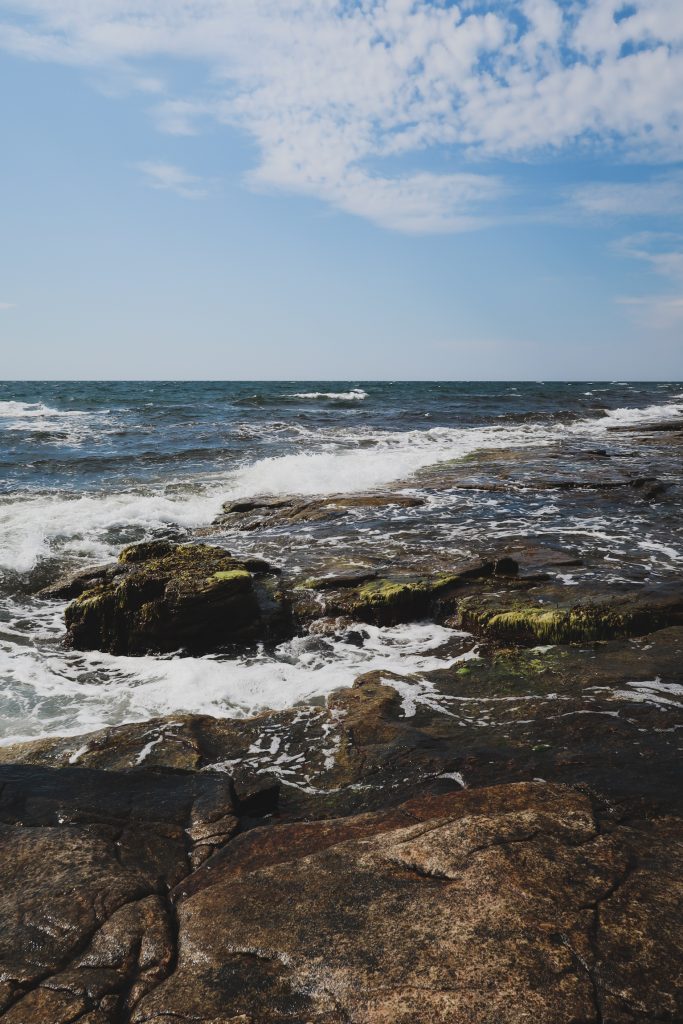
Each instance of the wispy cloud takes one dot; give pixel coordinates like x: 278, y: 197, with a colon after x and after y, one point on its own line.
x: 334, y: 93
x: 663, y: 253
x: 6, y: 305
x: 662, y: 196
x: 173, y: 179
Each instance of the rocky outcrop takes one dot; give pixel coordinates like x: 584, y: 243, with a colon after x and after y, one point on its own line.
x: 494, y: 842
x: 496, y: 906
x: 162, y: 597
x: 199, y: 598
x: 605, y: 715
x: 262, y: 513
x: 87, y: 859
x: 548, y: 615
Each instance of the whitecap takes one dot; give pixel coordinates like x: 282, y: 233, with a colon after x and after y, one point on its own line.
x: 356, y: 395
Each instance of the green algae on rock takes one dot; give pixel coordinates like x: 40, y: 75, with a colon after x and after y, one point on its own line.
x: 519, y: 620
x: 190, y: 596
x: 391, y: 600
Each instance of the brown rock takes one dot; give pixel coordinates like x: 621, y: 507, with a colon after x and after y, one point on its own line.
x: 494, y: 910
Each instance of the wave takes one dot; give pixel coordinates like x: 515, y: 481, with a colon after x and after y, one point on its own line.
x: 356, y: 395
x: 43, y: 423
x: 373, y: 459
x: 94, y: 526
x: 28, y: 410
x: 91, y: 527
x: 648, y: 414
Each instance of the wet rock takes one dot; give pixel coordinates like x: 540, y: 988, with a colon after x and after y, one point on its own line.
x: 163, y: 597
x: 572, y: 714
x: 549, y: 616
x: 390, y: 600
x: 264, y: 513
x: 73, y: 584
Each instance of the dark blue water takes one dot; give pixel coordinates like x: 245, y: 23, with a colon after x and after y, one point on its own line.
x: 87, y: 435
x: 88, y: 466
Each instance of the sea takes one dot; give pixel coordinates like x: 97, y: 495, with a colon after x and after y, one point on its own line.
x: 86, y: 467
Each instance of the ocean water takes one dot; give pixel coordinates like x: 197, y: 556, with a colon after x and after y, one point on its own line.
x: 88, y: 467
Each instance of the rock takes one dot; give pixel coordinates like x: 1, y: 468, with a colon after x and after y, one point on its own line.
x: 549, y: 617
x: 390, y: 600
x: 87, y: 860
x: 494, y: 906
x: 573, y: 714
x: 261, y: 513
x: 163, y: 597
x: 73, y: 584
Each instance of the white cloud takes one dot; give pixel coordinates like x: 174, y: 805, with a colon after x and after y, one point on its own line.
x: 172, y: 178
x: 333, y: 90
x: 6, y: 305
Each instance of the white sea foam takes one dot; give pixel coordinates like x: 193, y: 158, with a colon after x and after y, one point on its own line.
x: 69, y: 693
x: 79, y: 526
x: 70, y: 425
x: 35, y: 528
x: 363, y: 461
x: 628, y: 416
x: 82, y: 526
x: 29, y: 410
x: 356, y: 395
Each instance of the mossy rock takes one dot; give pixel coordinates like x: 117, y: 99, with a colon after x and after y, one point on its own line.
x: 590, y: 620
x: 191, y: 597
x: 390, y: 601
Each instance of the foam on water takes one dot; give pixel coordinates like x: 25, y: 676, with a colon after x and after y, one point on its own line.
x: 349, y: 461
x: 68, y: 693
x: 627, y: 416
x: 90, y: 526
x: 29, y: 410
x: 36, y: 527
x: 356, y: 395
x: 361, y: 461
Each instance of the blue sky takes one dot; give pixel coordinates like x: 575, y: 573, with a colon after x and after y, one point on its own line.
x: 350, y: 190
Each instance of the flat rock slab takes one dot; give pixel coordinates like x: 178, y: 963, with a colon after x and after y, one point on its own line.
x: 496, y: 906
x: 262, y: 513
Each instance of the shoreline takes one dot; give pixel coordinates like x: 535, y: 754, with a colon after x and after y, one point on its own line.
x: 492, y: 833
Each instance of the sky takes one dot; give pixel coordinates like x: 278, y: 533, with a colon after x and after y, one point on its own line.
x: 349, y: 190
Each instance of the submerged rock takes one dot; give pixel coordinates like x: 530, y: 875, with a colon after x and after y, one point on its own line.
x: 162, y: 597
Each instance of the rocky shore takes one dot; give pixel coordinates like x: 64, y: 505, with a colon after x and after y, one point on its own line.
x: 497, y: 841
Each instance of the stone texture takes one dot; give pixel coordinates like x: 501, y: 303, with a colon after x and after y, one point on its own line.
x: 87, y: 859
x: 491, y: 906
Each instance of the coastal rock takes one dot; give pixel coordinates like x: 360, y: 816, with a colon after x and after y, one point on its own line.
x: 390, y: 600
x: 162, y: 597
x: 604, y: 715
x: 494, y: 906
x: 87, y: 859
x: 262, y: 513
x: 550, y: 616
